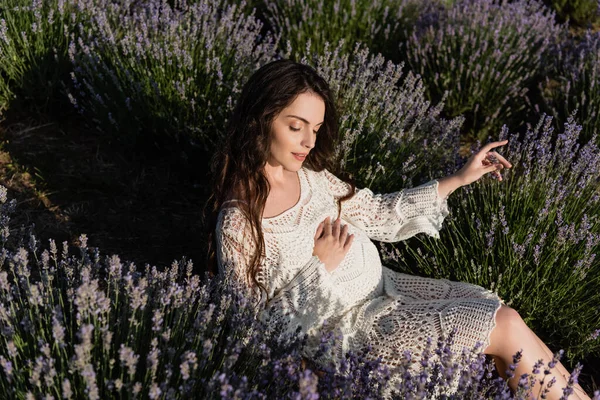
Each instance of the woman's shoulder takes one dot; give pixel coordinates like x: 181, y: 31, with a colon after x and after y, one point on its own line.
x: 329, y: 182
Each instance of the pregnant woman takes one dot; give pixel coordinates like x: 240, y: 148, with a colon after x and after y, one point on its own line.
x: 298, y: 239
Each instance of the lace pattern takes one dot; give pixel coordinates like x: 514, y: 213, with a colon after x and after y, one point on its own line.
x: 367, y: 303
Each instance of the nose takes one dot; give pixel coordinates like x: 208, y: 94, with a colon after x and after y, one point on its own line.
x: 309, y: 139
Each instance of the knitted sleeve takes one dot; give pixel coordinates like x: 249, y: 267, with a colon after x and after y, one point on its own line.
x: 292, y: 308
x: 395, y: 216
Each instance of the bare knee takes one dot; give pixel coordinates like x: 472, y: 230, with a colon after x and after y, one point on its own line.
x: 504, y: 338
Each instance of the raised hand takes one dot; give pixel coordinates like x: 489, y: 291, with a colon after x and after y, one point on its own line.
x: 332, y: 242
x: 480, y: 163
x: 483, y: 162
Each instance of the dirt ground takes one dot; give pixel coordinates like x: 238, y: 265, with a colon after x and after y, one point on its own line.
x: 70, y: 179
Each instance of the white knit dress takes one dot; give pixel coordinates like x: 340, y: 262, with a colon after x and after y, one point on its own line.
x: 366, y: 303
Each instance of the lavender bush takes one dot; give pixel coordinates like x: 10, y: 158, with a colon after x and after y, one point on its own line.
x: 577, y: 68
x: 86, y: 326
x: 379, y: 24
x: 532, y: 238
x: 146, y: 68
x: 385, y: 119
x: 469, y: 376
x: 33, y: 50
x: 485, y: 53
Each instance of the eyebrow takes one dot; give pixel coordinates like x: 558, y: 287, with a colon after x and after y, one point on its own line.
x: 302, y: 119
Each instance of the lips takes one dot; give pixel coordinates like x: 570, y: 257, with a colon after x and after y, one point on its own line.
x: 299, y: 156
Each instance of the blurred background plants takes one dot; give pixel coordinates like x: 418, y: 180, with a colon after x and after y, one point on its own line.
x: 379, y: 24
x: 579, y: 12
x: 33, y: 53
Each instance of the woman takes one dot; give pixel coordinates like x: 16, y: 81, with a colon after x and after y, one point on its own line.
x: 298, y: 239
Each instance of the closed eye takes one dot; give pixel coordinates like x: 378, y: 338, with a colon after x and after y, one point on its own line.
x: 297, y: 129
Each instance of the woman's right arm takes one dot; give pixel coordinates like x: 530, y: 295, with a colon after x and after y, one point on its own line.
x: 303, y: 301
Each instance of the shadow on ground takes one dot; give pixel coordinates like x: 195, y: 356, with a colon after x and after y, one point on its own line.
x: 70, y: 179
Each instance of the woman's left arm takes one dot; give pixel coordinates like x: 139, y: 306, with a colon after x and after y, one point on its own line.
x: 391, y: 217
x: 398, y: 216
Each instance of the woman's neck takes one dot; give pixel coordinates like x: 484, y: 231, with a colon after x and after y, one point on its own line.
x: 279, y: 177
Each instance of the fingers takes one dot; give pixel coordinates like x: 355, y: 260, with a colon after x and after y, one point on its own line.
x: 345, y: 240
x: 502, y: 160
x: 338, y: 232
x: 319, y: 230
x: 343, y: 233
x: 327, y: 226
x: 348, y: 242
x: 336, y: 228
x: 494, y: 169
x: 491, y: 145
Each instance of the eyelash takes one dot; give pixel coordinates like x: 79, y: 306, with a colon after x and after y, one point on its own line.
x: 297, y: 129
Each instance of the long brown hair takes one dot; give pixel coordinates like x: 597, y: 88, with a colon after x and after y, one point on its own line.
x: 238, y: 165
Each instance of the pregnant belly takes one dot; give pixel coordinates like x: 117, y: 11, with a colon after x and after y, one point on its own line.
x: 359, y: 276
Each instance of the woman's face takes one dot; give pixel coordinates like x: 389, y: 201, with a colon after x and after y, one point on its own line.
x: 294, y: 131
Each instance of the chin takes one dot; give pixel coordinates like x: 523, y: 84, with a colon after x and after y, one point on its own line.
x: 294, y: 168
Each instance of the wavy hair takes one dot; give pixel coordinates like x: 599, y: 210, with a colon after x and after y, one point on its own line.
x: 238, y: 164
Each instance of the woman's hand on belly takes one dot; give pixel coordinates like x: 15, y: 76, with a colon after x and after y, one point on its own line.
x: 332, y: 243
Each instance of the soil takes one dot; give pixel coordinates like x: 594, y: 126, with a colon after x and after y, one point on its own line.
x: 70, y: 179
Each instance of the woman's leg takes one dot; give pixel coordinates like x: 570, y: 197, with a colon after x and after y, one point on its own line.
x: 509, y: 336
x: 578, y: 389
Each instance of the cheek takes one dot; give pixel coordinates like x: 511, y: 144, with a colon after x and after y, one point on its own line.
x: 282, y: 142
x: 277, y: 146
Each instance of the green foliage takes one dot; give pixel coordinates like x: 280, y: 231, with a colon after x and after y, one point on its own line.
x: 579, y: 12
x: 152, y: 72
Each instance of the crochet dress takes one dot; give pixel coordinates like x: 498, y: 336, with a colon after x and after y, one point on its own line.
x: 366, y: 302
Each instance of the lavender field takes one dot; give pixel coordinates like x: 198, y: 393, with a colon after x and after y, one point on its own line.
x: 109, y: 114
